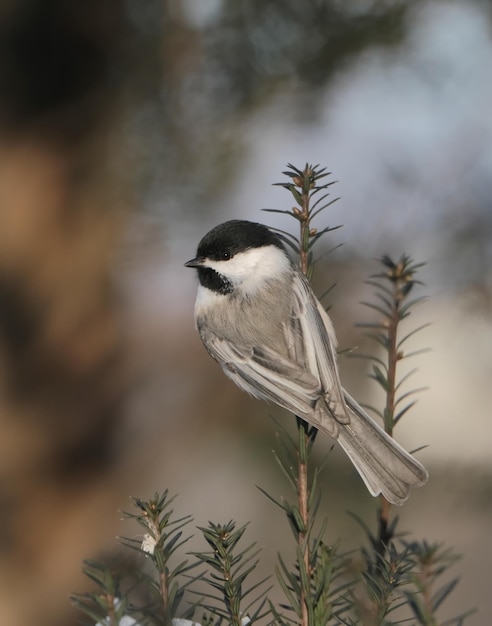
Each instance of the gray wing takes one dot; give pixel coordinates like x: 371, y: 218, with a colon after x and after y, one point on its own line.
x: 265, y: 374
x: 311, y: 340
x: 305, y: 381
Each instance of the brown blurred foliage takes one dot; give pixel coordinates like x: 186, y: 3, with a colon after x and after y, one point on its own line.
x: 62, y: 344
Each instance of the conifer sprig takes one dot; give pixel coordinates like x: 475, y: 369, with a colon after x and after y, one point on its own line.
x: 308, y: 587
x: 229, y: 570
x: 393, y: 303
x: 164, y: 536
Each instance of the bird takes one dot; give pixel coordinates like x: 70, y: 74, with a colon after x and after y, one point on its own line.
x: 259, y: 318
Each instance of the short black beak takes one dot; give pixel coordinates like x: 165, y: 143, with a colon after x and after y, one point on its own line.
x: 196, y: 262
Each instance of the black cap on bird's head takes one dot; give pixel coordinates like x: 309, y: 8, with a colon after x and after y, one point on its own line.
x: 213, y: 262
x: 229, y: 238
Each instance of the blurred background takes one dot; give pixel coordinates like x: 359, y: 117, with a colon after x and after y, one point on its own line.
x: 127, y: 130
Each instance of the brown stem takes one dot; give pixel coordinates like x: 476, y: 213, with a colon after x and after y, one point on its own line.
x: 392, y: 362
x: 303, y: 495
x: 302, y: 470
x: 164, y: 595
x: 384, y: 535
x: 111, y: 604
x: 426, y: 584
x: 304, y: 220
x: 385, y: 510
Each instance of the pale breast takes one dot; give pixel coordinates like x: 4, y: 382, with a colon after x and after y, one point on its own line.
x: 255, y: 321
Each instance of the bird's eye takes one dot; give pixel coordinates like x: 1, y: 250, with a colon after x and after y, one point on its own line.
x: 226, y: 256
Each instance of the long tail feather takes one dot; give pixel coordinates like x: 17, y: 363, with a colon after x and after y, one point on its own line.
x: 383, y: 464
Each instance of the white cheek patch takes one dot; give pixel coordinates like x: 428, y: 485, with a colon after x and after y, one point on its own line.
x: 251, y: 268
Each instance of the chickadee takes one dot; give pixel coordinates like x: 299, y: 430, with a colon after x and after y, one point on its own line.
x: 260, y: 320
